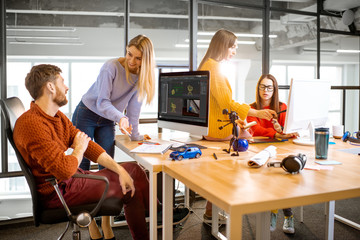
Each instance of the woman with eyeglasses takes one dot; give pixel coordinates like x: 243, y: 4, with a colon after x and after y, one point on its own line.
x: 267, y: 97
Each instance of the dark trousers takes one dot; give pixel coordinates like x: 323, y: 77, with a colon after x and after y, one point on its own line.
x: 287, y: 212
x: 78, y: 191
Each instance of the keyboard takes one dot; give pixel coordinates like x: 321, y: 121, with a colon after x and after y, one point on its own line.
x: 177, y: 145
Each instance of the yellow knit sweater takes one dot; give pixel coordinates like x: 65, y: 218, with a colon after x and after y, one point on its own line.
x: 221, y: 98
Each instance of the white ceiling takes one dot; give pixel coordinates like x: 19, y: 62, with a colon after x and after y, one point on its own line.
x: 341, y: 5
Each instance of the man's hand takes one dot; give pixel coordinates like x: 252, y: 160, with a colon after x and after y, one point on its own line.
x: 124, y: 124
x: 80, y: 144
x: 126, y: 182
x: 81, y: 141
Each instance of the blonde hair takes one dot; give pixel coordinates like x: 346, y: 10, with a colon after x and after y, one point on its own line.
x: 219, y: 45
x: 146, y: 82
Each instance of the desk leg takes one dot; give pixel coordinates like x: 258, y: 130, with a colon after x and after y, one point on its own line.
x: 234, y: 225
x: 263, y: 226
x: 187, y: 197
x: 153, y: 205
x: 215, y: 220
x: 329, y: 231
x: 167, y: 207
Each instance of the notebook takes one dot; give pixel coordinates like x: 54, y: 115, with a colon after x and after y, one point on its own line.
x: 152, y: 148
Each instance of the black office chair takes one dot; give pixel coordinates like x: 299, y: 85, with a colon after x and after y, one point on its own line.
x: 78, y: 216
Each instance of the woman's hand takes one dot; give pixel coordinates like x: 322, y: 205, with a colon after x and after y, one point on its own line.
x: 286, y: 136
x: 124, y: 124
x: 240, y: 123
x: 266, y: 114
x: 146, y: 137
x: 277, y: 125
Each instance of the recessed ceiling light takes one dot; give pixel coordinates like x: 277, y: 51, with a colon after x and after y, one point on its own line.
x: 48, y: 43
x: 238, y: 34
x: 347, y: 51
x: 43, y: 37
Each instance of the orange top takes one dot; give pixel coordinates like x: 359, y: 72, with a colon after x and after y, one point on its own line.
x: 42, y: 141
x: 265, y: 127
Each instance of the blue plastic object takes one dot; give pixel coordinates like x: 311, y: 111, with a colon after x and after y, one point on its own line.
x: 241, y: 145
x: 186, y: 152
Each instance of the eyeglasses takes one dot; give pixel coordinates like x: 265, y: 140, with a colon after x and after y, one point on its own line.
x: 268, y: 88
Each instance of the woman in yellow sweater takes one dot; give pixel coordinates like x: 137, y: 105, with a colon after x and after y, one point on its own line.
x: 223, y: 47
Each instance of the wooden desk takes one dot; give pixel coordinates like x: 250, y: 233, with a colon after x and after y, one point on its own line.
x: 234, y: 187
x: 154, y: 164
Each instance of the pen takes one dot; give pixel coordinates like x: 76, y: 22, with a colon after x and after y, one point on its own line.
x: 215, y: 156
x: 281, y: 112
x: 150, y: 143
x: 126, y: 132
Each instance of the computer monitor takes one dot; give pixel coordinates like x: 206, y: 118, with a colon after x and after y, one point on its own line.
x: 184, y: 102
x: 308, y: 107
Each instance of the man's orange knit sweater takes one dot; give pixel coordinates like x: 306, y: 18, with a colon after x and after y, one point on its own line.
x: 42, y: 141
x: 221, y: 98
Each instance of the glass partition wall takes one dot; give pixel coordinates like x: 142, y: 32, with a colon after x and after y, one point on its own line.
x: 76, y: 37
x: 310, y: 47
x: 281, y: 37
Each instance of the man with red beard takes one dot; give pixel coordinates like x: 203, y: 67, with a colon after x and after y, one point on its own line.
x: 43, y: 134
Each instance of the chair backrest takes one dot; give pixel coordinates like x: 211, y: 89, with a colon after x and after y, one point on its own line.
x: 12, y: 108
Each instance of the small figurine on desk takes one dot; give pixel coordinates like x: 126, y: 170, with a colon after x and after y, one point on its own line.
x: 239, y: 141
x: 186, y: 152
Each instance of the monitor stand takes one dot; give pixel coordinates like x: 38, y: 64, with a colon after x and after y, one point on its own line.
x: 304, y: 142
x: 307, y: 141
x: 189, y: 139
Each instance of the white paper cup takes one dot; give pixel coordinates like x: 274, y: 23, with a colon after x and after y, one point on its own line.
x: 338, y: 131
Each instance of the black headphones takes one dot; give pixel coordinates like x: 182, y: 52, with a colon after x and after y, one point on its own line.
x: 292, y: 164
x: 353, y: 138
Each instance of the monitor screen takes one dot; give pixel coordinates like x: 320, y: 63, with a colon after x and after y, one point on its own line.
x: 308, y: 107
x: 184, y: 101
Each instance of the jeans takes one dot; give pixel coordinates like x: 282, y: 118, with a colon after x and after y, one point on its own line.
x: 99, y: 129
x: 287, y: 212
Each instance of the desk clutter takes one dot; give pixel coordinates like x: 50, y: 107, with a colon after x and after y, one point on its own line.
x: 292, y: 163
x: 152, y: 148
x: 163, y: 147
x: 260, y: 159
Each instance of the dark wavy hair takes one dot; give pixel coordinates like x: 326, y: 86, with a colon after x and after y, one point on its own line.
x: 275, y: 103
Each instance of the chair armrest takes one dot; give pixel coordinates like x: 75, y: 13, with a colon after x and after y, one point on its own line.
x: 93, y: 213
x: 102, y: 199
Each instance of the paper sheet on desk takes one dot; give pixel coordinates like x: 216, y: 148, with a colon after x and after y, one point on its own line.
x: 260, y: 159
